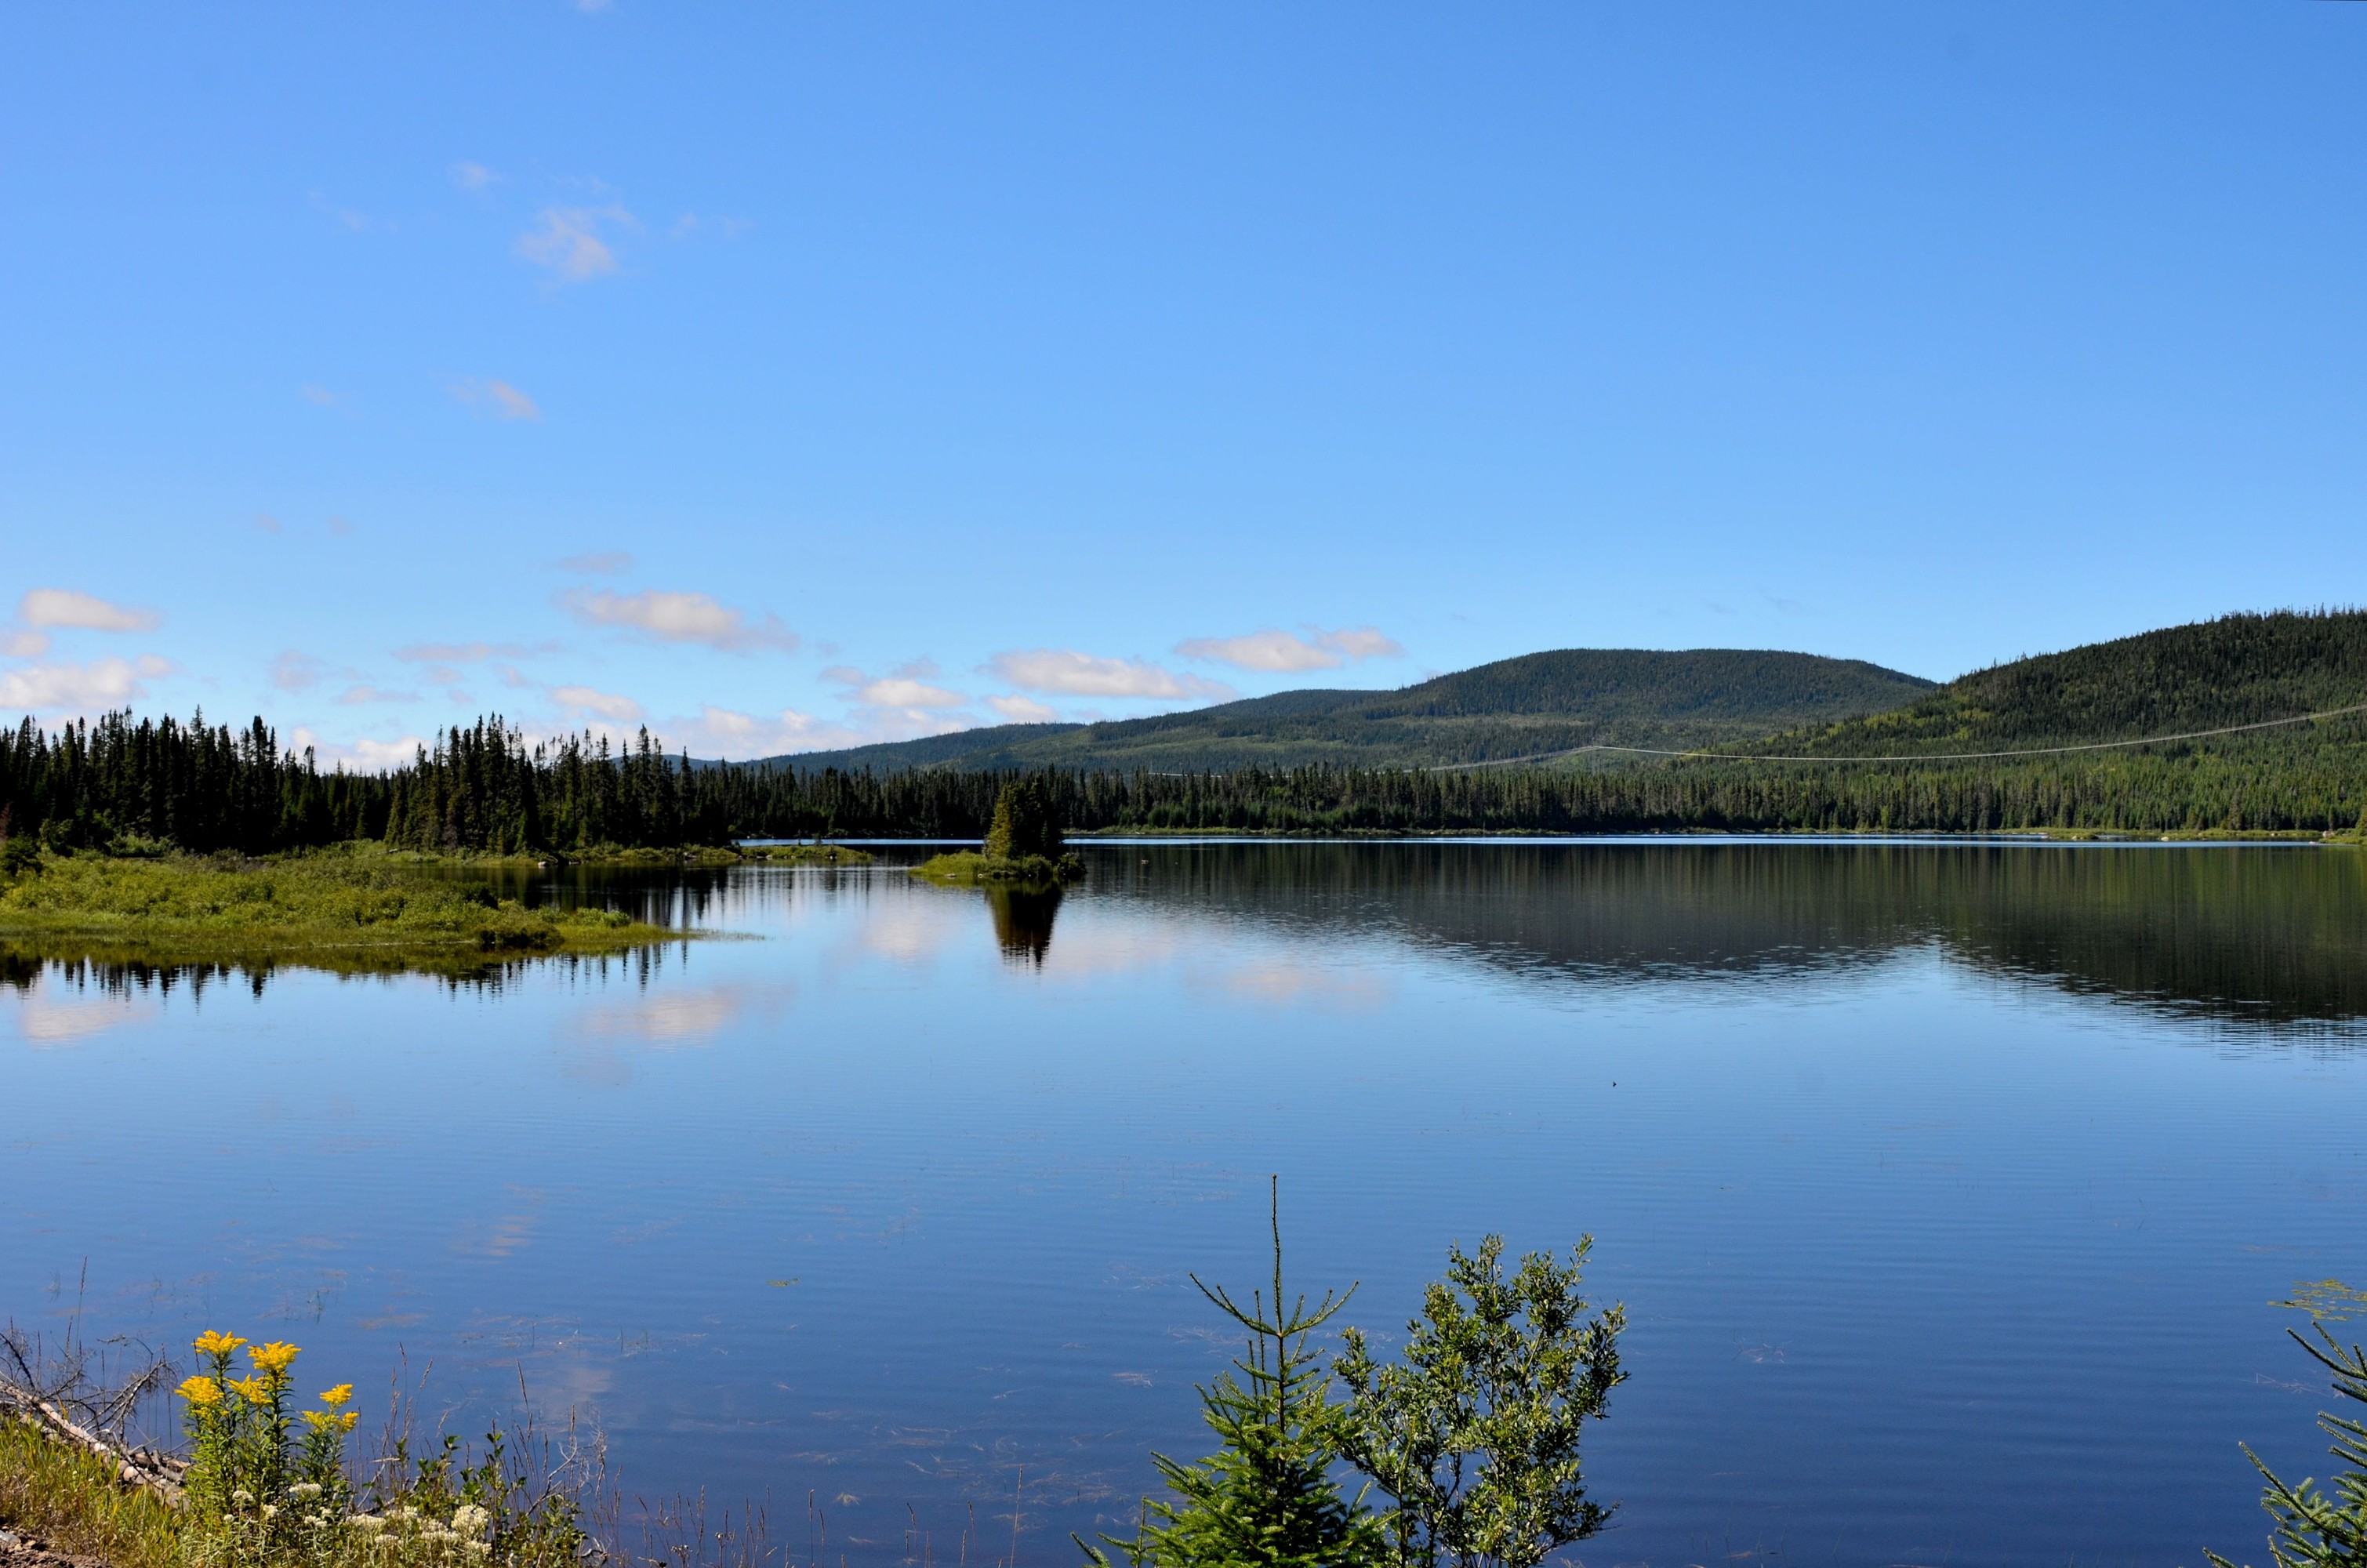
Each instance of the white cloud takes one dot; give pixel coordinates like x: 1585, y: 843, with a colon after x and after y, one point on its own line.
x: 720, y: 732
x: 102, y: 683
x: 65, y: 607
x: 23, y: 645
x: 1088, y: 675
x: 294, y: 672
x: 355, y: 221
x: 1362, y: 642
x: 1022, y: 710
x: 1282, y: 651
x: 465, y: 652
x: 905, y: 688
x: 607, y: 705
x: 366, y: 756
x: 320, y: 396
x: 497, y: 398
x: 267, y: 523
x: 597, y: 563
x: 680, y: 617
x: 474, y: 176
x: 354, y: 695
x: 569, y: 244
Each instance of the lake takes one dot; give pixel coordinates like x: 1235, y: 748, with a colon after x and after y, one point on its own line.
x: 1947, y: 1187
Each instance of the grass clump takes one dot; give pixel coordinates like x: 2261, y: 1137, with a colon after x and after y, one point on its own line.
x: 338, y: 911
x: 71, y: 1500
x: 268, y: 1485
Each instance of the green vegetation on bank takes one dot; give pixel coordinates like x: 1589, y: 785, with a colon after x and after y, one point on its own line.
x: 262, y: 1482
x: 360, y: 911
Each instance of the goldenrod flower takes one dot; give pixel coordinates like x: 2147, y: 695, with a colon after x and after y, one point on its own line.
x: 255, y: 1391
x: 272, y: 1357
x: 210, y: 1343
x: 347, y: 1421
x: 319, y: 1420
x: 337, y: 1396
x: 201, y: 1391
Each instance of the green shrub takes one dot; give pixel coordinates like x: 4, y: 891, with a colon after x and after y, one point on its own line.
x: 1475, y: 1435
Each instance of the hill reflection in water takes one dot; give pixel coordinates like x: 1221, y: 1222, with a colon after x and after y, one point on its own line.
x: 2263, y: 937
x: 2246, y: 934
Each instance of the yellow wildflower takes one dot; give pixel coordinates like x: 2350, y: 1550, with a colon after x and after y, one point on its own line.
x: 271, y: 1358
x: 347, y: 1420
x: 255, y: 1391
x: 337, y: 1396
x: 210, y: 1343
x: 201, y: 1391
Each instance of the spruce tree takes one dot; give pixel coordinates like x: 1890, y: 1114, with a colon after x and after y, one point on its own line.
x: 1266, y: 1497
x: 2314, y: 1531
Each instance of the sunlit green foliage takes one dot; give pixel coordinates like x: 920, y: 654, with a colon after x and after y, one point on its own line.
x: 361, y: 910
x: 1475, y: 1434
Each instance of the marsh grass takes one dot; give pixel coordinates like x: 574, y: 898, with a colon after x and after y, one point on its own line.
x: 70, y: 1500
x: 266, y: 1483
x: 333, y: 909
x: 806, y: 854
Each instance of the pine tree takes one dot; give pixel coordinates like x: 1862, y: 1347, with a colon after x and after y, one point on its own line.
x: 1266, y: 1497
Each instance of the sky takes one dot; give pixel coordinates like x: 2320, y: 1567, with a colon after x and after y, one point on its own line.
x: 784, y: 377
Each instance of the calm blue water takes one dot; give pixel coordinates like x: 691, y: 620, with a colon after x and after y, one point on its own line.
x: 1947, y: 1188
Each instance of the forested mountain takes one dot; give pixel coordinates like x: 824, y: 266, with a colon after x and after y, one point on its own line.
x: 1515, y: 708
x: 2236, y: 670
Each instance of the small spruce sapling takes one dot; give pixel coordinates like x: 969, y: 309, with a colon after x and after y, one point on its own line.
x: 1266, y: 1497
x: 2312, y: 1531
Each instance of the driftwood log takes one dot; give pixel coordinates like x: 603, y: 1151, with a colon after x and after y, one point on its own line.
x: 61, y: 1401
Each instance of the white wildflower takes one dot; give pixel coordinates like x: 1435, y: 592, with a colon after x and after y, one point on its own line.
x: 479, y: 1549
x: 471, y: 1519
x: 368, y: 1524
x: 307, y: 1489
x: 269, y: 1512
x: 242, y: 1497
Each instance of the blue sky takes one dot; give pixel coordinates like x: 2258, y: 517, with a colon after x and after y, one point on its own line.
x: 784, y: 376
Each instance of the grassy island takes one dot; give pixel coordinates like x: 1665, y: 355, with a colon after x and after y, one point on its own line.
x: 1022, y: 845
x: 967, y: 868
x: 359, y: 909
x: 804, y: 854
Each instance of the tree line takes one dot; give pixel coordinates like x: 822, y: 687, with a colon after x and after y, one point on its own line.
x: 117, y: 782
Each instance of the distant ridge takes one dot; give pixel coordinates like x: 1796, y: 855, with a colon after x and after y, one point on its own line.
x: 2239, y: 669
x: 1539, y: 701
